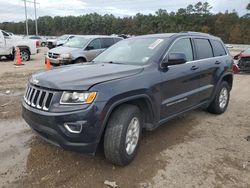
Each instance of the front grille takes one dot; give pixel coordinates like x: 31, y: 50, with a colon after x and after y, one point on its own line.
x: 53, y: 55
x: 38, y: 98
x: 245, y: 59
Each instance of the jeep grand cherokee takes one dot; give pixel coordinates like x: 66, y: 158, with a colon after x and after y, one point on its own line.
x: 138, y: 83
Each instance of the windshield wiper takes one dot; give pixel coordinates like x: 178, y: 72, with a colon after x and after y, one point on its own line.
x: 112, y: 62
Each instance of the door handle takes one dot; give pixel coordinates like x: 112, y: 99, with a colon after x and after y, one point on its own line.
x: 217, y: 62
x: 194, y: 67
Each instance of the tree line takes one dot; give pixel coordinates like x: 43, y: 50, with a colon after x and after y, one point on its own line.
x: 198, y: 17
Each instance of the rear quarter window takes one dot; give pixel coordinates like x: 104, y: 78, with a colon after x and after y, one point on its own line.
x: 117, y: 39
x: 203, y: 48
x: 107, y: 42
x: 218, y: 48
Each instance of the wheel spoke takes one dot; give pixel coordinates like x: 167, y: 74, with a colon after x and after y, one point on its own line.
x: 132, y: 135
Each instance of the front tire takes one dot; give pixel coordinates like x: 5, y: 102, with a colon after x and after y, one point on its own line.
x: 80, y: 60
x: 220, y: 103
x: 122, y: 135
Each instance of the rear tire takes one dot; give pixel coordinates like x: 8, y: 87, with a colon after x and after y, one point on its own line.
x: 122, y: 135
x: 220, y: 103
x: 25, y: 54
x: 43, y: 44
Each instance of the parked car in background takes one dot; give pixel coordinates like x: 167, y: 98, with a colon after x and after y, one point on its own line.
x: 9, y: 42
x: 243, y: 60
x: 229, y: 46
x: 59, y: 41
x: 138, y: 83
x: 81, y: 48
x: 42, y: 41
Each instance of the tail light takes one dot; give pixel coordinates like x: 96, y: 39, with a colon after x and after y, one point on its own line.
x: 235, y: 69
x: 37, y: 44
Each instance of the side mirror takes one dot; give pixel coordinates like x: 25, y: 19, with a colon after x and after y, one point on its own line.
x: 174, y: 59
x: 90, y: 48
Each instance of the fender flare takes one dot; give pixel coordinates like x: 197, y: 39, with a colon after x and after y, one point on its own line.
x: 218, y: 84
x: 81, y: 57
x: 24, y: 47
x: 119, y: 102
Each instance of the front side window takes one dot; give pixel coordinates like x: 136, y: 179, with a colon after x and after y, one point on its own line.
x: 203, y: 48
x: 183, y: 46
x: 95, y: 44
x: 218, y: 48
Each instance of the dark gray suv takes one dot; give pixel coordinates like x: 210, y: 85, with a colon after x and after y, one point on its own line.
x: 138, y: 83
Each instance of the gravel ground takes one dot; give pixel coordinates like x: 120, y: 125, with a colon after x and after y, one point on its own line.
x: 197, y: 149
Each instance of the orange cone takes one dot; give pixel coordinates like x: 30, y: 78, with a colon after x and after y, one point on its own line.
x: 18, y: 57
x: 48, y: 65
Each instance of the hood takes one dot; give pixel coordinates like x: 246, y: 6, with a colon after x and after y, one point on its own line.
x: 244, y: 54
x: 59, y: 42
x: 63, y: 50
x: 83, y: 76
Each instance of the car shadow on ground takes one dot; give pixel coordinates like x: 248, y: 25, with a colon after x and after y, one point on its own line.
x: 58, y: 166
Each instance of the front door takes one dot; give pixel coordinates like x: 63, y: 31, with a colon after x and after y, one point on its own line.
x: 93, y: 49
x: 180, y: 83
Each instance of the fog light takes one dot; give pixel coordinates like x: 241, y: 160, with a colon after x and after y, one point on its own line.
x: 73, y: 127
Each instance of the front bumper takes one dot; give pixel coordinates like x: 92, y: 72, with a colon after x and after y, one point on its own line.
x: 58, y: 61
x: 50, y: 126
x: 244, y: 65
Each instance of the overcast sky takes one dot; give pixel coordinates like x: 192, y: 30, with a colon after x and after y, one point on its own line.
x: 14, y: 10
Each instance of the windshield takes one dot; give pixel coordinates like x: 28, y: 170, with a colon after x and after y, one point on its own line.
x: 64, y: 37
x: 247, y: 50
x: 76, y: 42
x: 131, y: 51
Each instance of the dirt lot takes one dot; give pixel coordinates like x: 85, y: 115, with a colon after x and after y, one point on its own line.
x: 197, y: 149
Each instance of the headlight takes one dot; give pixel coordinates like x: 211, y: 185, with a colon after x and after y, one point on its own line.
x: 65, y: 56
x: 77, y: 97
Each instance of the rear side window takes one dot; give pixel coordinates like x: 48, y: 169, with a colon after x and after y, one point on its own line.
x: 107, y: 42
x: 117, y: 39
x: 218, y: 48
x: 183, y: 46
x: 203, y: 48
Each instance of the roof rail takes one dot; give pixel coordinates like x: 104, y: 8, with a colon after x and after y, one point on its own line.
x: 194, y: 32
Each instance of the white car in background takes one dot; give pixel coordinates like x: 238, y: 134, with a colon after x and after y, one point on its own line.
x: 59, y: 41
x: 9, y: 42
x: 42, y: 41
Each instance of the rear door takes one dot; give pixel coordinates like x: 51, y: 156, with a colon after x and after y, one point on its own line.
x: 208, y: 65
x: 180, y: 83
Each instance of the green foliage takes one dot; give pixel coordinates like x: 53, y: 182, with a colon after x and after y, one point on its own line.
x: 229, y: 26
x: 248, y: 6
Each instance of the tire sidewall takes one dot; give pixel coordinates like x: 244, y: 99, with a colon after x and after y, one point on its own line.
x: 126, y: 158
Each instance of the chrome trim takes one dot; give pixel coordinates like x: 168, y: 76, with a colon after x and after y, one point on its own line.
x: 194, y: 61
x: 79, y: 103
x: 33, y: 98
x: 70, y: 130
